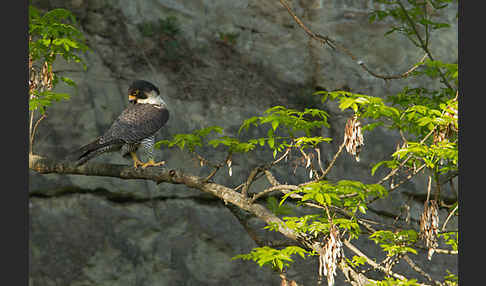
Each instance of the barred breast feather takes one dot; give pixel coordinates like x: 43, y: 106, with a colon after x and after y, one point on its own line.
x: 137, y: 122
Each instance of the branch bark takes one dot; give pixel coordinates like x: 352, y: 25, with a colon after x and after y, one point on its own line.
x: 159, y: 175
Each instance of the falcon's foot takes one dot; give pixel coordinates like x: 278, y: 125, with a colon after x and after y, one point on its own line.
x: 136, y: 161
x: 152, y: 163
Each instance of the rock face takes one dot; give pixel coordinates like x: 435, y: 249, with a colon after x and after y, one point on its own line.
x: 226, y: 62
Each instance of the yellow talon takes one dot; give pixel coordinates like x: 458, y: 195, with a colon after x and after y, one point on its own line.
x: 152, y: 163
x: 136, y: 161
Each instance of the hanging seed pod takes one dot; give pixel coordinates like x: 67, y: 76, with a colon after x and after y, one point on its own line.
x: 429, y: 226
x: 33, y: 81
x: 229, y: 163
x: 353, y: 137
x: 330, y: 254
x: 447, y: 131
x: 47, y: 76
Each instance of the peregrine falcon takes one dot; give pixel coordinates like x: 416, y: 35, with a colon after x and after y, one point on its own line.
x: 136, y: 126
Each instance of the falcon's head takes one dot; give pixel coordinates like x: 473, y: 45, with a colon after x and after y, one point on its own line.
x: 141, y: 91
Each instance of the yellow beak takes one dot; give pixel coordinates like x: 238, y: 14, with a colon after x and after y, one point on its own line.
x: 132, y: 97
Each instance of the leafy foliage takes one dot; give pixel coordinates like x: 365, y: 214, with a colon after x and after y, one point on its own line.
x: 51, y: 34
x: 450, y: 238
x: 234, y: 145
x: 277, y: 259
x: 441, y: 157
x: 41, y: 100
x: 395, y: 243
x: 189, y: 141
x: 356, y: 261
x: 345, y: 194
x: 409, y: 18
x: 451, y: 279
x: 292, y: 120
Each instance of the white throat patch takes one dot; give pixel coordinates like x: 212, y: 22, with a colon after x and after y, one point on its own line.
x: 153, y: 98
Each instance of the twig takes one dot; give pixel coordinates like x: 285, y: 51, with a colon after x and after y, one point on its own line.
x: 331, y: 43
x: 328, y: 169
x: 333, y: 161
x: 274, y: 188
x: 318, y: 151
x: 371, y: 262
x: 211, y: 175
x: 394, y: 171
x: 408, y: 178
x: 440, y: 250
x: 31, y: 138
x: 250, y: 180
x: 271, y: 179
x: 399, y: 76
x: 322, y: 39
x: 34, y: 129
x: 423, y: 44
x: 445, y: 251
x: 207, y: 162
x: 449, y: 217
x: 281, y: 157
x: 429, y: 186
x: 418, y: 269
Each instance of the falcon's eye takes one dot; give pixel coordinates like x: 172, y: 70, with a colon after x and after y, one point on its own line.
x: 141, y: 95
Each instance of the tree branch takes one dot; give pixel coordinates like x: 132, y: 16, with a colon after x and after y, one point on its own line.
x: 159, y: 175
x: 324, y: 40
x: 283, y: 188
x: 373, y: 264
x: 423, y: 44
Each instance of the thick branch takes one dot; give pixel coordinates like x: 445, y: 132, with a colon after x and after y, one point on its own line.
x: 161, y: 175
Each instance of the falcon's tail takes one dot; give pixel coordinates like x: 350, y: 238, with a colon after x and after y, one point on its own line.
x: 89, y: 151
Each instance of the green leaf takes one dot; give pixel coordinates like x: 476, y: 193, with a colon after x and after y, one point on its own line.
x: 275, y: 125
x: 271, y: 142
x: 327, y: 198
x: 287, y: 195
x: 376, y: 166
x: 68, y: 81
x: 346, y: 102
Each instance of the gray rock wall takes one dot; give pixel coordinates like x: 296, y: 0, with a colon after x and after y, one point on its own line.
x: 106, y: 231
